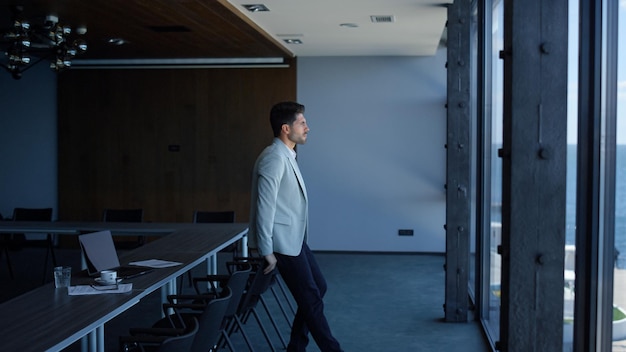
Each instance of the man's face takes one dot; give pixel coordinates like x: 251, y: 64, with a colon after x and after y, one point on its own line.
x: 298, y: 130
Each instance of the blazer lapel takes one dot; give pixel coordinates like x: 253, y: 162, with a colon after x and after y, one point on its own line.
x: 294, y: 165
x: 296, y: 170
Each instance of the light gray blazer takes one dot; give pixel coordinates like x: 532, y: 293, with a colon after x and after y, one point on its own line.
x: 279, y: 204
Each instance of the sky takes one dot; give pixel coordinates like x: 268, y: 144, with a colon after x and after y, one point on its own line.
x: 621, y: 76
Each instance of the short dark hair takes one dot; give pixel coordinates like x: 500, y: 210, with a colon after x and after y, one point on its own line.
x: 284, y: 113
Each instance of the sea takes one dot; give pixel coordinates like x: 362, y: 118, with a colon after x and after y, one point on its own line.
x: 620, y: 201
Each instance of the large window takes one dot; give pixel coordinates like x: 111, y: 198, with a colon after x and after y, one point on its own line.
x: 570, y: 220
x: 619, y: 272
x: 492, y: 321
x: 598, y: 269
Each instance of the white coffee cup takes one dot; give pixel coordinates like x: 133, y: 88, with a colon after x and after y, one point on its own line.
x: 108, y: 276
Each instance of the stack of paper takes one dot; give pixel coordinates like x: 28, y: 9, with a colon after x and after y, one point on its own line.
x: 98, y: 290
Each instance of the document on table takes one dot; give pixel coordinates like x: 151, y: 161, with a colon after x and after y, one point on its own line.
x: 155, y: 263
x: 81, y: 290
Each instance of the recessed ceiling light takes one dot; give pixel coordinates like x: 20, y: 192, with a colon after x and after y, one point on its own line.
x: 349, y: 25
x: 256, y: 7
x: 293, y: 41
x: 117, y: 41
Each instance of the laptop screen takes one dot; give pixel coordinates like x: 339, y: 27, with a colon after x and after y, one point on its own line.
x: 99, y: 251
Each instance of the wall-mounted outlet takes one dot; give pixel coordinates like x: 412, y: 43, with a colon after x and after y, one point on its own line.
x: 405, y: 232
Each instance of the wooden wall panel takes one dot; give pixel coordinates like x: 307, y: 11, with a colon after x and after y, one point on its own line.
x: 116, y: 128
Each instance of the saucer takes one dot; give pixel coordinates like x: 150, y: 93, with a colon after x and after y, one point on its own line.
x: 106, y: 283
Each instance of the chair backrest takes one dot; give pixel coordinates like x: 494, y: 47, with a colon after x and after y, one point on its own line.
x: 259, y: 283
x: 237, y: 283
x: 182, y: 342
x: 214, y: 216
x: 32, y: 214
x: 210, y: 323
x: 123, y: 215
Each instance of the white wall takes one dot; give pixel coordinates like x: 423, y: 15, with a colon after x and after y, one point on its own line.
x: 374, y: 161
x: 28, y: 140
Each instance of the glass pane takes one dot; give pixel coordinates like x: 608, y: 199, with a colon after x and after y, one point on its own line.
x: 570, y: 211
x: 497, y: 81
x: 619, y: 293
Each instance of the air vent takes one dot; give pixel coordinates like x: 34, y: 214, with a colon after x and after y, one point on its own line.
x: 383, y: 19
x: 169, y: 29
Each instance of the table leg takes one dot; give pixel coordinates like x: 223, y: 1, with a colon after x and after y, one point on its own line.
x: 100, y: 337
x: 168, y: 289
x: 211, y: 268
x: 244, y: 245
x: 84, y: 343
x: 91, y: 341
x: 212, y: 265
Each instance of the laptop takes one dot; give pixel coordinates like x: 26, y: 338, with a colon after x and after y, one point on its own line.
x: 100, y: 254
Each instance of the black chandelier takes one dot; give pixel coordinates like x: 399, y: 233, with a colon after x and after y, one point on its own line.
x: 25, y: 44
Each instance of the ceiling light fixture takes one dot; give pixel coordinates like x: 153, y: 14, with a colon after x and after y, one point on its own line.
x: 348, y: 25
x: 48, y: 40
x: 256, y: 7
x: 293, y: 41
x: 117, y: 41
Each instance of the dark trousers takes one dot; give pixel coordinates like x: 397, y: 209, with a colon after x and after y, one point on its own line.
x: 304, y: 279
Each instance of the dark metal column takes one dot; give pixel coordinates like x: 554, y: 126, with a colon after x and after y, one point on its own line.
x: 534, y: 175
x: 458, y: 171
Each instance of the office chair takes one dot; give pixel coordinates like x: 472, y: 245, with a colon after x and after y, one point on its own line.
x: 181, y: 341
x: 227, y: 216
x: 209, y: 313
x: 4, y: 249
x: 236, y: 281
x: 19, y: 239
x: 214, y: 216
x: 125, y: 215
x: 258, y: 284
x: 276, y: 282
x: 5, y: 245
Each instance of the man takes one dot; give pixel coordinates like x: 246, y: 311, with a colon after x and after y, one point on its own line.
x: 279, y: 224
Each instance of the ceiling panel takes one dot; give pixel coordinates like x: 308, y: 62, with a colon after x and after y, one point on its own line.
x: 178, y: 29
x: 415, y: 29
x: 213, y: 30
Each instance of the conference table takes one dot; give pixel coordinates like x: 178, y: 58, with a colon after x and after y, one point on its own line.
x: 117, y: 228
x: 77, y: 227
x: 48, y: 319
